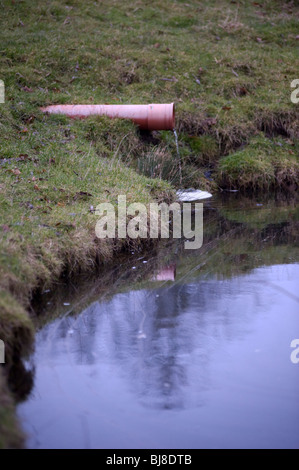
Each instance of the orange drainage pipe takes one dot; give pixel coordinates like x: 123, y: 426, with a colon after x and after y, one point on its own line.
x: 146, y: 116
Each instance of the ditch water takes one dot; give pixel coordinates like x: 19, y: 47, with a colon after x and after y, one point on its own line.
x: 177, y: 348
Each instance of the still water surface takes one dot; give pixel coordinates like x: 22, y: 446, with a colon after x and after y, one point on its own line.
x: 195, y: 354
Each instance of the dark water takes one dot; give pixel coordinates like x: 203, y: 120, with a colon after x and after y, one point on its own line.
x: 191, y: 350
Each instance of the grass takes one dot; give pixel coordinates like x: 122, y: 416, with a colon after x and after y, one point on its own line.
x: 262, y: 164
x: 227, y: 66
x: 51, y: 196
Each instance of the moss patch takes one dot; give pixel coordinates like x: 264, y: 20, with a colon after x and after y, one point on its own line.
x: 262, y: 164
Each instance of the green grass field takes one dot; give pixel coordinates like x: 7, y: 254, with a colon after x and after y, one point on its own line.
x: 227, y: 65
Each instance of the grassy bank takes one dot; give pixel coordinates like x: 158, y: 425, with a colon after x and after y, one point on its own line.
x: 10, y: 435
x: 227, y: 66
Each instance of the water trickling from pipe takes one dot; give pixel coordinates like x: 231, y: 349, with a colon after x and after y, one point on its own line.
x: 178, y: 154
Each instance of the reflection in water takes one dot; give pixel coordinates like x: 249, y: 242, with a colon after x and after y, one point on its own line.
x: 201, y: 361
x: 20, y: 379
x: 206, y: 345
x: 167, y: 273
